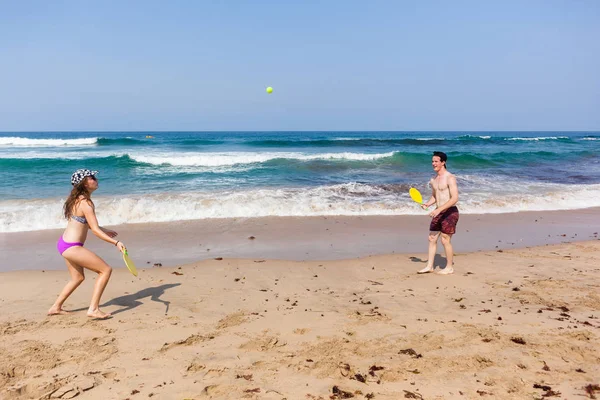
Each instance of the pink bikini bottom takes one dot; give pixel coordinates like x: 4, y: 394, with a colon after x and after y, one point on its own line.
x: 62, y: 245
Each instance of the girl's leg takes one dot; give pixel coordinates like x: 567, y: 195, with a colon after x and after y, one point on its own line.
x: 87, y: 259
x: 77, y: 277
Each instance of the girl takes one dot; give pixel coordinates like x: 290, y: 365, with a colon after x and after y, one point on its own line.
x: 81, y: 216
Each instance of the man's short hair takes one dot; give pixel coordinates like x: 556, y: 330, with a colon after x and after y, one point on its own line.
x: 443, y: 157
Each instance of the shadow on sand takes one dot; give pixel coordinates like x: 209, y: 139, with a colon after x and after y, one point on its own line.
x: 439, y: 261
x: 131, y: 301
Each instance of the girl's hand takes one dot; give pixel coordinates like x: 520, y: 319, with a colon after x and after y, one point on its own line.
x: 110, y: 233
x: 121, y: 247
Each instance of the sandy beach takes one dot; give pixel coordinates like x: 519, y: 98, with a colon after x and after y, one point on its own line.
x: 274, y: 170
x: 518, y: 323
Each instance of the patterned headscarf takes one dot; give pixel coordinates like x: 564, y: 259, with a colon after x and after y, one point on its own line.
x: 80, y: 175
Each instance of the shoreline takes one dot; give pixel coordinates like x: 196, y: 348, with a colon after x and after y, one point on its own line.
x: 303, y: 238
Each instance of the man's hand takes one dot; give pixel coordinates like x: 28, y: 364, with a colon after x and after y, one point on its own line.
x: 434, y: 213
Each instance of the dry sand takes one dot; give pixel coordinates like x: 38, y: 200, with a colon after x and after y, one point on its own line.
x: 366, y: 328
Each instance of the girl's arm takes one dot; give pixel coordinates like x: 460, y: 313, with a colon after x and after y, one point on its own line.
x: 90, y: 215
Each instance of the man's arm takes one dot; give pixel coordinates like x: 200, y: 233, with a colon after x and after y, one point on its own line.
x: 431, y: 200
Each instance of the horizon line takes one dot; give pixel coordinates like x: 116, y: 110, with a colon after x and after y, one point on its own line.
x: 307, y: 131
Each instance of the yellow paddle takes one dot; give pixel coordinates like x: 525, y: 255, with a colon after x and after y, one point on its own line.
x: 129, y: 263
x: 416, y: 195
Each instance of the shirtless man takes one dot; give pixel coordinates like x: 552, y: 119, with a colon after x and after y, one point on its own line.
x: 445, y: 216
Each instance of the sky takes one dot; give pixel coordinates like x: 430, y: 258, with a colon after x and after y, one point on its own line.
x: 204, y: 65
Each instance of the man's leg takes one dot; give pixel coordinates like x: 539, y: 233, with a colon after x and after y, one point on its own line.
x: 446, y: 241
x: 433, y: 238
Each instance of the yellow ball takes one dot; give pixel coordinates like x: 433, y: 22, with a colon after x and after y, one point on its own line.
x: 269, y: 89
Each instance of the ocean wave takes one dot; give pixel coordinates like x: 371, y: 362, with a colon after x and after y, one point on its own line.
x: 235, y: 158
x: 526, y: 139
x: 364, y: 142
x: 343, y: 199
x: 154, y: 141
x: 428, y: 140
x: 27, y: 142
x: 470, y: 137
x: 216, y: 161
x: 126, y: 141
x: 9, y: 157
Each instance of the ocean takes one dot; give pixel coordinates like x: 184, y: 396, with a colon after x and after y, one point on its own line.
x: 172, y: 176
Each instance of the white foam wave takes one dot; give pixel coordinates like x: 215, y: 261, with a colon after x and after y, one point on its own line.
x: 344, y: 199
x: 214, y: 160
x: 27, y: 142
x: 52, y: 155
x: 456, y: 138
x: 474, y: 136
x: 234, y: 158
x: 590, y: 138
x: 537, y: 138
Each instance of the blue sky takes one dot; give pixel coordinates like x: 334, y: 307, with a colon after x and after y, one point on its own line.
x: 334, y: 65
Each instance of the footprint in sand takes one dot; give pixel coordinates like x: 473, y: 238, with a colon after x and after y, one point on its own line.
x: 215, y: 372
x: 263, y: 344
x: 230, y: 320
x: 189, y: 341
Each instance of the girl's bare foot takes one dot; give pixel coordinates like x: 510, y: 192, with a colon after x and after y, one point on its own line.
x: 97, y: 314
x: 57, y: 311
x: 425, y: 270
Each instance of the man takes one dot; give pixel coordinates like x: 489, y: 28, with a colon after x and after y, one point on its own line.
x: 445, y: 216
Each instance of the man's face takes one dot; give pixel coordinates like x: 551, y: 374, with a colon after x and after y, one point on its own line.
x: 437, y: 163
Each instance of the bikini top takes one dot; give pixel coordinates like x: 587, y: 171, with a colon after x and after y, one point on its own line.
x: 79, y: 219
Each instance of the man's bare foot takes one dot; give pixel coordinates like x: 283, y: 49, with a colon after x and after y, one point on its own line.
x: 57, y: 311
x: 425, y: 270
x: 97, y: 314
x: 446, y: 271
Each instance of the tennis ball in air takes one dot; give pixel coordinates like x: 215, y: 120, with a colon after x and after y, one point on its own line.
x: 269, y: 90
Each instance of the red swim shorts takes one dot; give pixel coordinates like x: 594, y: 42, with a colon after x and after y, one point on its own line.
x: 445, y: 221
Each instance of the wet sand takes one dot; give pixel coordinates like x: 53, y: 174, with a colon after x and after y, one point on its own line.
x: 294, y: 238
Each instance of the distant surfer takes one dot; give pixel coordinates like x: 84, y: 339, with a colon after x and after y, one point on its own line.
x: 445, y: 216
